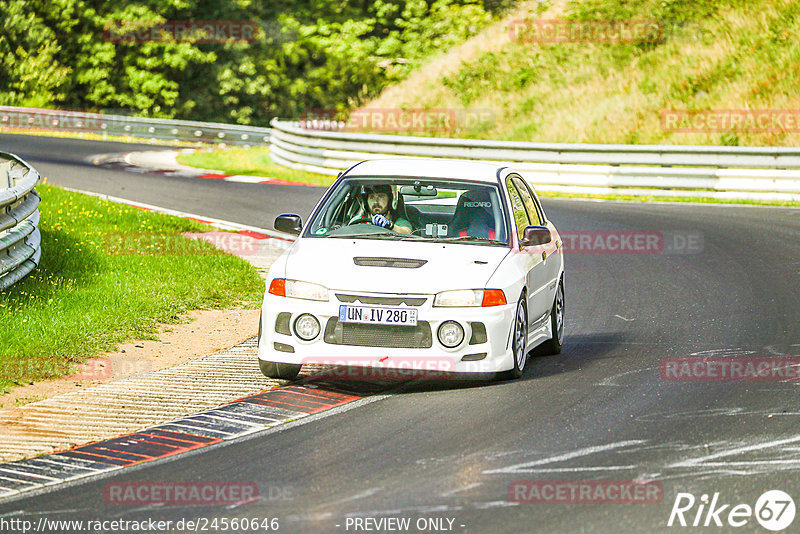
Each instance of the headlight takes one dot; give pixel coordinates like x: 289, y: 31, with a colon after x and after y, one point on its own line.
x: 459, y: 297
x: 306, y: 327
x: 298, y: 289
x: 470, y: 297
x: 450, y: 334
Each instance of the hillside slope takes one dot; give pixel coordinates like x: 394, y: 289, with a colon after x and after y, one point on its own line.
x: 740, y: 59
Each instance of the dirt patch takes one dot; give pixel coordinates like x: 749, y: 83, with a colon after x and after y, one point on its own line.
x: 207, y: 332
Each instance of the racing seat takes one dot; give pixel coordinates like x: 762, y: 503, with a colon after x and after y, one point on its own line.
x: 473, y: 216
x: 406, y: 212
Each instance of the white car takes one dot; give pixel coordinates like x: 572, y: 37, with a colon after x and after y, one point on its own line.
x: 476, y: 284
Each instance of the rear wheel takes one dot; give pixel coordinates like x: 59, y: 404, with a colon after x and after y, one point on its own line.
x: 553, y: 345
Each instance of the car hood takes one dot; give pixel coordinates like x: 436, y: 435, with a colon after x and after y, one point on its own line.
x: 357, y: 264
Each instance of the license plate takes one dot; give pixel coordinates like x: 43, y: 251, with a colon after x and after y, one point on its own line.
x: 377, y: 315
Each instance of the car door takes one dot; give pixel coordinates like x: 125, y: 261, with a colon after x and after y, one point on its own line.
x: 550, y: 251
x: 530, y: 260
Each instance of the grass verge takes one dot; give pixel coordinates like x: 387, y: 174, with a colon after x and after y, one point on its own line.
x: 250, y: 162
x: 96, y: 287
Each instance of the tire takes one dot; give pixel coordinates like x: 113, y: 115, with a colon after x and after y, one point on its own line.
x: 518, y: 341
x: 553, y: 345
x: 286, y: 371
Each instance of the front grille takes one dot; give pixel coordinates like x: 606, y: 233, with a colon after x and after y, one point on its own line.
x: 378, y: 335
x: 381, y: 301
x: 400, y: 263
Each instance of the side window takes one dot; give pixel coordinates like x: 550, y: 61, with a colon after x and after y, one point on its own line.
x: 530, y: 204
x: 520, y: 216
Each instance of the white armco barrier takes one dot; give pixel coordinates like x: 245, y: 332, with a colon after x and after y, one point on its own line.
x: 758, y: 173
x: 20, y: 242
x: 33, y: 119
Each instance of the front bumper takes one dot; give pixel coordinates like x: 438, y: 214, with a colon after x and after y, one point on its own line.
x: 485, y: 347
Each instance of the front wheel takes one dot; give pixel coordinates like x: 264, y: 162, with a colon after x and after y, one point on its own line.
x: 553, y: 345
x: 518, y: 342
x: 286, y: 371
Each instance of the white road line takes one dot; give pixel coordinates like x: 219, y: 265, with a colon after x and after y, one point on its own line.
x: 753, y: 463
x: 580, y: 469
x: 494, y: 504
x: 523, y: 467
x: 611, y: 380
x: 459, y: 490
x: 366, y: 493
x: 247, y: 179
x: 693, y: 462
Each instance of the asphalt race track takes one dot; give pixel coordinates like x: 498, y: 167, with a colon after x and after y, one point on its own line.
x: 66, y: 162
x: 723, y: 283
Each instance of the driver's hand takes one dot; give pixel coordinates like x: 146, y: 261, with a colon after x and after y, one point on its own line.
x: 380, y: 220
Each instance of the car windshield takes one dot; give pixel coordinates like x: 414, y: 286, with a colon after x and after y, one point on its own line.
x: 437, y: 210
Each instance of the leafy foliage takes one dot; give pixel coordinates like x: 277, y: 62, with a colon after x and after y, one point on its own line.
x: 86, y: 54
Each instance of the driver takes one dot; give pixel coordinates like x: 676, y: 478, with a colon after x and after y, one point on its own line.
x: 379, y: 206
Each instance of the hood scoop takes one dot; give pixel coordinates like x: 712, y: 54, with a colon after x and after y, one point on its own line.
x: 399, y: 263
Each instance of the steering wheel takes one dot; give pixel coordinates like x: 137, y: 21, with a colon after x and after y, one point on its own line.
x: 362, y: 220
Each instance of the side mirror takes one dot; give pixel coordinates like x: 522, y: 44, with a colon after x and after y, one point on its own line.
x: 290, y: 223
x: 535, y: 235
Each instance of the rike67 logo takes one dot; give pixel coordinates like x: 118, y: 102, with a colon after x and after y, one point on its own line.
x: 774, y: 510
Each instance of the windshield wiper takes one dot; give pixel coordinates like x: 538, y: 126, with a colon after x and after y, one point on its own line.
x: 473, y: 238
x: 372, y: 235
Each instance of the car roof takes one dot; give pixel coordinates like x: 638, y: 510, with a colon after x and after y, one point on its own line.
x: 455, y: 169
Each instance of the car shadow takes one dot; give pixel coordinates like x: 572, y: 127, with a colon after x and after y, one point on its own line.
x: 578, y: 351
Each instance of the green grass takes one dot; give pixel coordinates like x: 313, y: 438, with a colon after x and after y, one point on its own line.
x: 92, y: 291
x: 250, y: 162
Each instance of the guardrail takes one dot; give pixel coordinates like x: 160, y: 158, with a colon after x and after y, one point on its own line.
x: 20, y: 241
x: 124, y: 126
x: 763, y: 173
